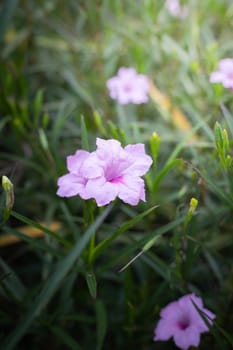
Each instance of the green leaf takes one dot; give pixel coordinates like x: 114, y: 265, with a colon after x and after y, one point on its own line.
x: 77, y: 88
x: 2, y: 208
x: 38, y: 107
x: 35, y: 243
x: 150, y: 241
x: 85, y: 144
x: 91, y: 283
x: 30, y: 222
x: 65, y: 338
x: 101, y: 324
x: 12, y: 283
x: 218, y: 137
x: 102, y: 245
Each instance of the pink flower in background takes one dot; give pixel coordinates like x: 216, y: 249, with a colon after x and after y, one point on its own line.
x: 181, y: 320
x: 175, y: 9
x: 128, y: 87
x: 107, y: 173
x: 224, y: 74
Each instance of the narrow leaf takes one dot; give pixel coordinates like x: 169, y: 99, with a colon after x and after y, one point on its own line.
x: 91, y: 283
x: 101, y: 321
x: 102, y: 245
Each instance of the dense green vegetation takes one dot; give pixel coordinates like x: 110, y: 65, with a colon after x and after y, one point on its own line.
x: 70, y: 288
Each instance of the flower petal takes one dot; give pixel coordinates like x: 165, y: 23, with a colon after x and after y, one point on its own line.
x: 92, y: 167
x: 216, y: 77
x: 103, y: 192
x: 70, y: 185
x: 131, y: 190
x: 226, y: 65
x: 108, y: 149
x: 75, y: 161
x: 186, y: 338
x: 139, y: 161
x: 164, y: 330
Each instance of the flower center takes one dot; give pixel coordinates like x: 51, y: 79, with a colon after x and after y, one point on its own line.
x: 183, y: 324
x: 113, y: 171
x: 127, y: 87
x: 115, y: 180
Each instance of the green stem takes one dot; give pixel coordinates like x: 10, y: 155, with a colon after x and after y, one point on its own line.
x: 89, y: 220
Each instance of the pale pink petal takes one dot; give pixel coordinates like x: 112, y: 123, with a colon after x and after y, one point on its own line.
x: 92, y: 168
x: 144, y: 82
x: 103, y: 192
x: 140, y: 162
x: 70, y: 185
x: 164, y: 330
x: 186, y: 338
x: 228, y: 82
x: 186, y: 301
x: 131, y: 190
x: 125, y: 97
x: 113, y: 85
x: 108, y: 149
x: 171, y: 311
x: 226, y: 65
x: 126, y: 73
x: 216, y: 77
x: 75, y: 161
x: 224, y: 74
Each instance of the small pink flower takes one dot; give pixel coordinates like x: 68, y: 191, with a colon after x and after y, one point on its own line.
x: 109, y: 172
x: 128, y: 87
x: 175, y: 9
x: 224, y: 74
x: 181, y: 320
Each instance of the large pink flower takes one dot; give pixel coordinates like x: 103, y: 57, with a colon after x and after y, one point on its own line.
x: 128, y: 87
x: 181, y: 320
x: 109, y: 172
x: 224, y: 74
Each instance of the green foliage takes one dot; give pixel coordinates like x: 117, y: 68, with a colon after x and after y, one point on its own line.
x: 101, y: 278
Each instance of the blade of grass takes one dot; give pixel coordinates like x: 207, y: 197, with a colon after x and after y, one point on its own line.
x: 40, y: 245
x: 101, y: 321
x: 102, y: 245
x: 85, y: 143
x: 65, y: 338
x: 42, y: 228
x: 12, y: 283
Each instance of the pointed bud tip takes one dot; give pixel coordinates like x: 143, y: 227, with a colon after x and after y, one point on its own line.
x: 7, y: 184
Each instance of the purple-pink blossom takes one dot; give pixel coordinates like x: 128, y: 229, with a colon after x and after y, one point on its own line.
x: 128, y: 86
x: 224, y: 73
x: 175, y: 9
x: 107, y: 173
x: 181, y: 320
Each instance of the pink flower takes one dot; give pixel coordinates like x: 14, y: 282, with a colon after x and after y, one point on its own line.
x: 224, y: 74
x: 181, y: 320
x: 109, y: 172
x: 128, y: 87
x: 175, y: 9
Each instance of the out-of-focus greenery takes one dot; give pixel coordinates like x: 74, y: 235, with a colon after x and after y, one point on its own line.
x: 54, y: 62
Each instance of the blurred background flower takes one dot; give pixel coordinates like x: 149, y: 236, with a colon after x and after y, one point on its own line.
x: 128, y: 86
